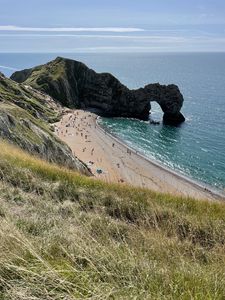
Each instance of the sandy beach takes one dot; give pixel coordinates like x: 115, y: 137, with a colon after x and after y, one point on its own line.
x: 112, y: 161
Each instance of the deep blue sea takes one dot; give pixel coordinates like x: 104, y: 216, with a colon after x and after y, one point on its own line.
x: 197, y: 147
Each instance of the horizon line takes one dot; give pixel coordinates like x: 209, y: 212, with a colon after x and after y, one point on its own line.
x: 111, y: 52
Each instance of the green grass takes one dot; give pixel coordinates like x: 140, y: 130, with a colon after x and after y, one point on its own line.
x: 67, y: 236
x: 17, y: 94
x: 46, y: 73
x: 25, y: 120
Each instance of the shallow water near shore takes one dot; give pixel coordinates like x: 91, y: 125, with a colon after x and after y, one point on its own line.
x: 197, y: 147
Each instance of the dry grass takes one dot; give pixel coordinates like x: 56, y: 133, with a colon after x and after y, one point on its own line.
x: 65, y: 236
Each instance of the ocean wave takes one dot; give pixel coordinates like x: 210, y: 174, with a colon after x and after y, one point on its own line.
x: 8, y: 68
x: 205, y: 150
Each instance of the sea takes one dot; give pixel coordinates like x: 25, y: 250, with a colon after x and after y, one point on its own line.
x: 197, y: 147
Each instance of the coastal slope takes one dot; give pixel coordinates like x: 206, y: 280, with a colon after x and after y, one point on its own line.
x: 25, y: 120
x: 67, y: 236
x: 74, y: 85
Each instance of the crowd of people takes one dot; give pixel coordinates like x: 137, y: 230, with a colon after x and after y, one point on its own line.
x: 78, y: 126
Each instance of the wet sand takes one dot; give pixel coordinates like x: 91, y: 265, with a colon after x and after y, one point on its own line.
x: 112, y: 161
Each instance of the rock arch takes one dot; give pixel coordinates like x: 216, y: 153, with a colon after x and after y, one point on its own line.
x: 169, y: 99
x: 75, y: 85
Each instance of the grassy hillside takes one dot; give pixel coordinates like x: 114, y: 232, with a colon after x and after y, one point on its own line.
x: 65, y: 236
x: 50, y: 78
x: 25, y: 119
x: 41, y: 75
x: 35, y: 103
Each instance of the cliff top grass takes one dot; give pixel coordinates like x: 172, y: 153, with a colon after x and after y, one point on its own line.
x: 42, y: 74
x: 67, y: 236
x: 25, y: 118
x: 20, y: 109
x: 28, y: 99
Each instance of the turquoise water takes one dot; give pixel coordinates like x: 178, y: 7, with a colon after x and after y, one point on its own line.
x: 197, y: 148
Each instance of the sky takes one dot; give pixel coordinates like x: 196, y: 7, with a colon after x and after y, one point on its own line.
x: 112, y: 26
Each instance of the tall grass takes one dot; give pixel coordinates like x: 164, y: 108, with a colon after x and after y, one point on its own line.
x: 66, y: 236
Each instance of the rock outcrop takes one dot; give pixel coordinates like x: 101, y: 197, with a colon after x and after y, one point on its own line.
x: 73, y: 84
x: 25, y: 117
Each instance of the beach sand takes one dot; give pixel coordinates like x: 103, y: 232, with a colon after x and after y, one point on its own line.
x: 118, y: 163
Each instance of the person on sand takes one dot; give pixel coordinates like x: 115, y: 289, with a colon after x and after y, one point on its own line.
x: 121, y: 180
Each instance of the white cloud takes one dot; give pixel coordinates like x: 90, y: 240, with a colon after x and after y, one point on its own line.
x: 70, y: 29
x: 107, y: 41
x: 97, y: 36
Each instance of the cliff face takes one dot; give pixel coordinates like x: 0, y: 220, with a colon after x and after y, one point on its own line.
x: 75, y: 85
x: 25, y: 115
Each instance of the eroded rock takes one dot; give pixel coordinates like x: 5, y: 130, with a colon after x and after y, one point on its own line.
x: 73, y: 84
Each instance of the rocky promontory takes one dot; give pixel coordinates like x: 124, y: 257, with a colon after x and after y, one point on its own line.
x: 74, y: 85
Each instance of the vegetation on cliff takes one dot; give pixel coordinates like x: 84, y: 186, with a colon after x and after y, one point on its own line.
x: 25, y: 118
x: 66, y: 236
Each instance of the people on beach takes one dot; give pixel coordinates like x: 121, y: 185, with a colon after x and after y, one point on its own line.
x: 121, y: 180
x: 129, y: 151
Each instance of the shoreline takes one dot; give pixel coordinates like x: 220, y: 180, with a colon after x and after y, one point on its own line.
x: 193, y: 181
x: 112, y: 160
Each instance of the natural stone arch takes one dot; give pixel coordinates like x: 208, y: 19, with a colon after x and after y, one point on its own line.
x: 169, y: 99
x: 75, y: 85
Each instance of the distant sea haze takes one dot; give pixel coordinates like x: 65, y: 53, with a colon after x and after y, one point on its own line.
x: 196, y: 148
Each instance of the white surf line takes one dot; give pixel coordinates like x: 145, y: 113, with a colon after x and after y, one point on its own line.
x: 8, y: 68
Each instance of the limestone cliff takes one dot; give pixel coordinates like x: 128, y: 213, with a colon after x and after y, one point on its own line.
x: 25, y: 117
x: 75, y: 85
